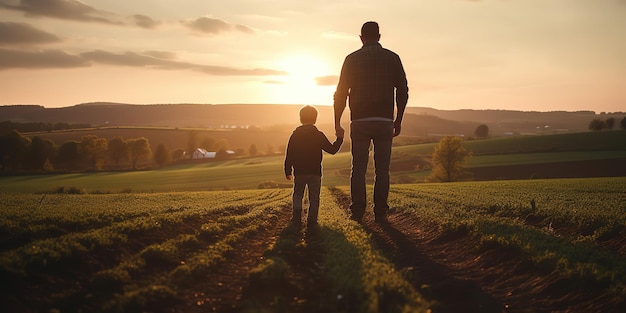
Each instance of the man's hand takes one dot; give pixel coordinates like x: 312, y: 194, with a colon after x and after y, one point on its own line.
x: 289, y: 177
x: 397, y: 127
x: 339, y: 131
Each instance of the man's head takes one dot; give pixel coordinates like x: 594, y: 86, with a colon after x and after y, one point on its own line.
x: 370, y: 32
x: 308, y: 115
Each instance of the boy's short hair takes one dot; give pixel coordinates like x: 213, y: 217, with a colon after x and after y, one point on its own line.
x: 308, y: 115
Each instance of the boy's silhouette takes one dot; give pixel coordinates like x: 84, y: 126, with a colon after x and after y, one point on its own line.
x: 304, y: 156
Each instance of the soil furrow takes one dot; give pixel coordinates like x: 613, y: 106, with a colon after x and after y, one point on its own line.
x: 222, y: 289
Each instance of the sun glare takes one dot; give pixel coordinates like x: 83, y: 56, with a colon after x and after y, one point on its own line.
x: 300, y: 86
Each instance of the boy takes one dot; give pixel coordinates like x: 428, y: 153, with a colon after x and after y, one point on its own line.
x: 304, y: 155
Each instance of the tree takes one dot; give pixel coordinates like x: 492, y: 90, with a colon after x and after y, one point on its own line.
x: 13, y: 148
x: 178, y: 154
x: 208, y: 143
x: 623, y: 123
x: 253, y: 150
x: 40, y: 152
x: 94, y: 149
x: 597, y: 124
x: 162, y: 155
x: 69, y: 156
x: 192, y: 143
x: 221, y: 154
x: 482, y: 131
x: 449, y: 160
x: 138, y: 149
x: 610, y: 123
x: 221, y: 144
x: 117, y: 150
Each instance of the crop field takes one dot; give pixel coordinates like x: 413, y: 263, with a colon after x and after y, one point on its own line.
x: 250, y: 173
x: 501, y: 246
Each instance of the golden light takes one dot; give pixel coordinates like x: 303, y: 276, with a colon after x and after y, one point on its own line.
x: 300, y: 85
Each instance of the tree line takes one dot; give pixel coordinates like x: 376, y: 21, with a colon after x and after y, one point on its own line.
x: 22, y: 154
x: 599, y: 124
x: 19, y: 153
x: 7, y: 126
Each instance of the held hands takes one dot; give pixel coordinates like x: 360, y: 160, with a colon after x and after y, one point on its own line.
x: 339, y: 131
x: 289, y: 177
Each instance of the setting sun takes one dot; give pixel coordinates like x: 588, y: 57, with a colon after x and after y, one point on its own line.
x: 300, y: 85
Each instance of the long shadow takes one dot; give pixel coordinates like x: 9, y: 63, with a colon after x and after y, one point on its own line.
x: 433, y: 280
x: 297, y: 281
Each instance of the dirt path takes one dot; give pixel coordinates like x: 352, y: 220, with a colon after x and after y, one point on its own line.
x: 460, y: 277
x: 435, y: 280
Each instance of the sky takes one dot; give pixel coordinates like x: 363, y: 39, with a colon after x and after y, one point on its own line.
x: 528, y: 55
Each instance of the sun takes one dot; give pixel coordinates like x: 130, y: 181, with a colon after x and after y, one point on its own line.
x: 300, y: 85
x: 303, y: 69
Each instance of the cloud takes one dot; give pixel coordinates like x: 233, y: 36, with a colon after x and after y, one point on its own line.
x: 126, y: 59
x: 40, y: 59
x: 244, y: 28
x: 74, y: 10
x: 214, y: 26
x: 330, y: 80
x: 151, y: 60
x: 62, y: 9
x: 21, y: 33
x: 145, y: 21
x: 161, y: 54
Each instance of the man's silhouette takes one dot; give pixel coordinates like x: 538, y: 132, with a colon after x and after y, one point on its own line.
x: 373, y: 80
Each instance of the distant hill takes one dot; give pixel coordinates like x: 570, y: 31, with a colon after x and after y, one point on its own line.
x: 418, y: 121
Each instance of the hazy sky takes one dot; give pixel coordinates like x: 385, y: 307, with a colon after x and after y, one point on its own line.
x: 541, y: 55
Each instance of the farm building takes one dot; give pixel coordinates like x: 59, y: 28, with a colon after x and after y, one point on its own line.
x: 203, y: 154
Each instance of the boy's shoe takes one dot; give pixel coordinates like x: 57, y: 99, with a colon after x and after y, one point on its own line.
x: 311, y: 225
x: 295, y: 221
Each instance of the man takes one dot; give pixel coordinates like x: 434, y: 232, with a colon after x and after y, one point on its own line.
x: 374, y: 81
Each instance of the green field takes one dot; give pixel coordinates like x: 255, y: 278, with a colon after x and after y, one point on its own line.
x: 249, y: 173
x: 153, y: 251
x: 202, y: 236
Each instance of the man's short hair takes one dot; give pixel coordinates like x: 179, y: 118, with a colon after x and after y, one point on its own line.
x: 308, y: 115
x: 370, y: 30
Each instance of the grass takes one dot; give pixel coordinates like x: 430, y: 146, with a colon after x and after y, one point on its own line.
x: 347, y: 273
x: 246, y: 174
x: 574, y: 217
x: 136, y: 259
x: 249, y: 173
x: 136, y: 252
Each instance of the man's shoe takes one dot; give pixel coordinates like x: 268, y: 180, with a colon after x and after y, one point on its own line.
x: 312, y: 225
x: 356, y: 218
x: 381, y: 220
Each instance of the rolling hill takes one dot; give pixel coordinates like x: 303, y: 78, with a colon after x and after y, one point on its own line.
x: 418, y: 121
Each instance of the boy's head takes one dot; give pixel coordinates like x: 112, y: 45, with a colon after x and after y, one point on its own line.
x: 308, y: 115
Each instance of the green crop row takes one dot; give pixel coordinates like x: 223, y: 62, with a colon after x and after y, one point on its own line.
x: 559, y: 225
x: 348, y: 273
x: 141, y: 261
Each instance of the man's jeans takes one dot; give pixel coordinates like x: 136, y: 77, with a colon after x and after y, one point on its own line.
x: 314, y: 183
x: 362, y: 133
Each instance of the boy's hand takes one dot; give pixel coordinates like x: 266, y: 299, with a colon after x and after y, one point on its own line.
x: 289, y: 177
x: 339, y: 131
